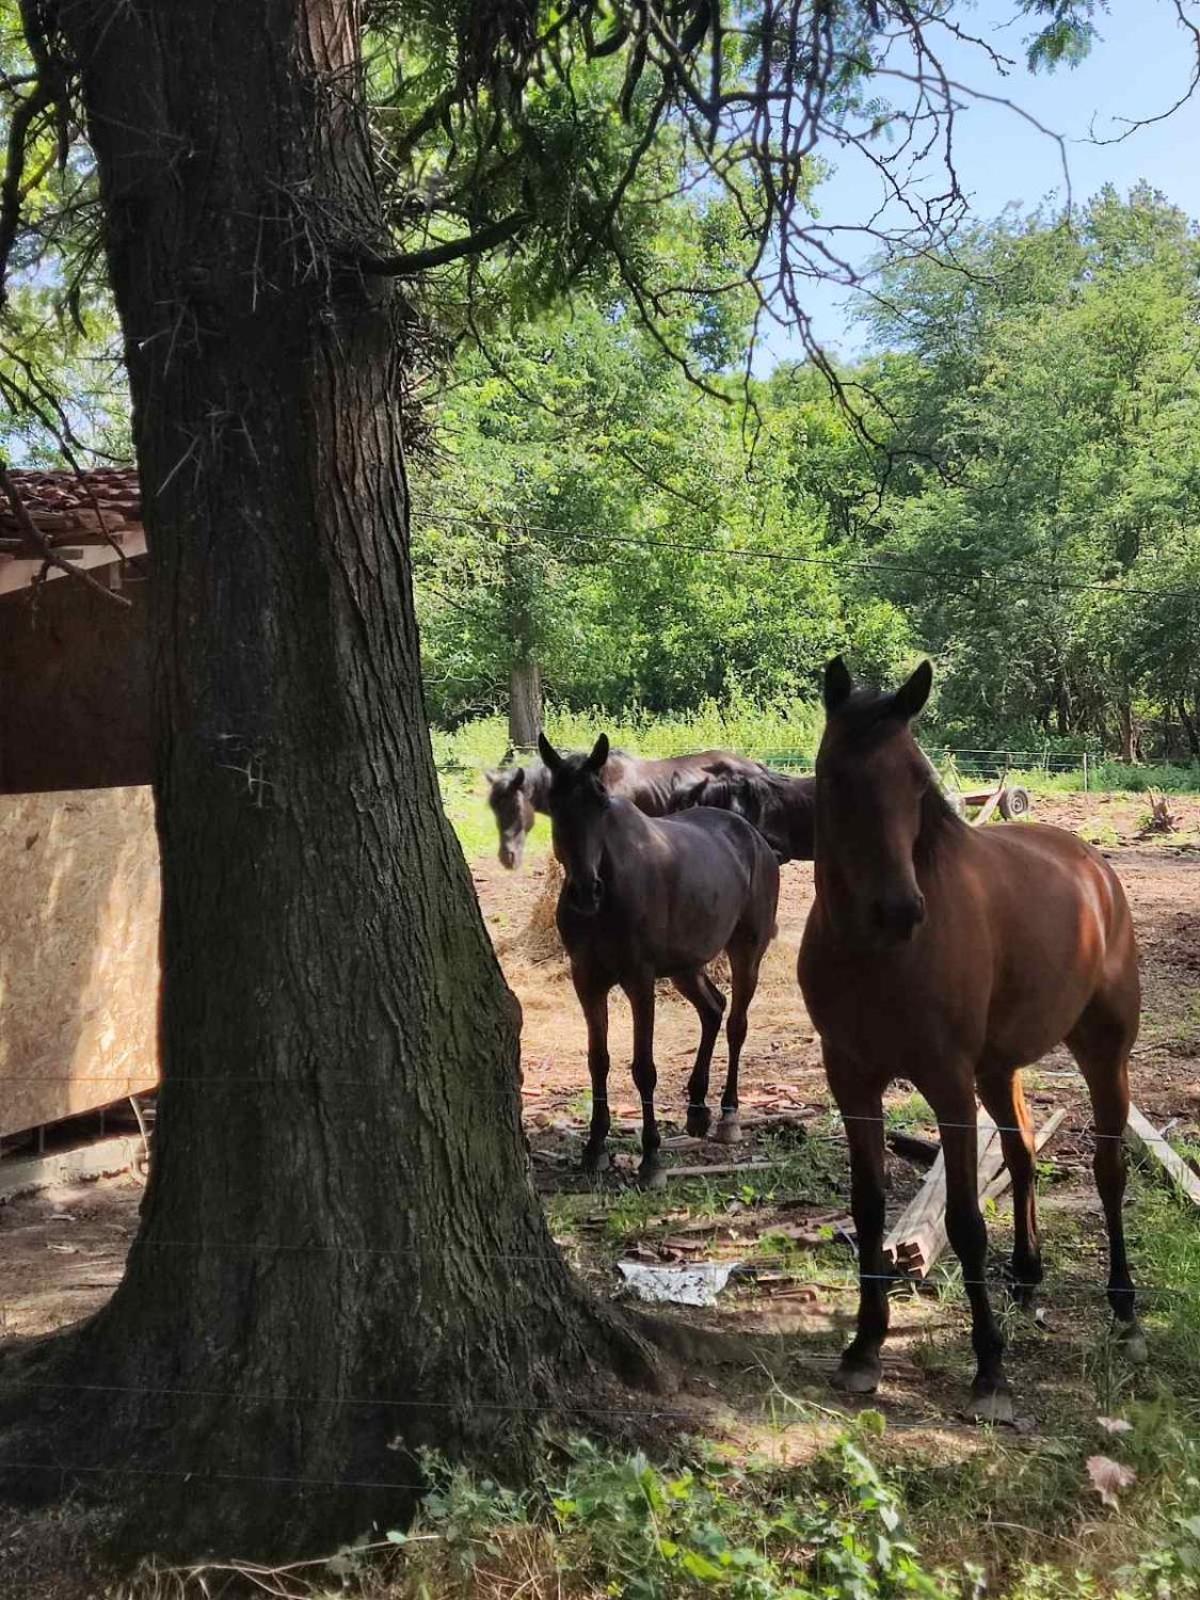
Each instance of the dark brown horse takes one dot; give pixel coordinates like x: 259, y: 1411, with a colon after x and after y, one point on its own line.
x: 645, y: 898
x: 516, y: 796
x: 953, y: 956
x: 782, y: 808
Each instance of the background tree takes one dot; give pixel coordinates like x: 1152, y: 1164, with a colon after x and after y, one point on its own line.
x: 1046, y: 405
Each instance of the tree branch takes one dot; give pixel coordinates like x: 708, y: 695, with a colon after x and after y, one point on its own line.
x: 412, y: 263
x: 49, y: 555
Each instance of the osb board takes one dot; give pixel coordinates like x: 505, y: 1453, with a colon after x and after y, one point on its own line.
x: 79, y: 900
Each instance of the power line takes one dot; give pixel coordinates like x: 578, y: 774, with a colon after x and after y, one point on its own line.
x: 479, y: 521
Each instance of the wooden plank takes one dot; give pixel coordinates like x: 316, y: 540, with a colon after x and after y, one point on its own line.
x: 915, y: 1249
x: 101, y: 1159
x: 78, y: 952
x: 915, y: 1233
x: 1147, y: 1141
x: 989, y: 808
x: 914, y: 1148
x: 720, y: 1167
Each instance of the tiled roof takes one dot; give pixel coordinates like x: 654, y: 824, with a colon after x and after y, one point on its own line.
x: 67, y: 506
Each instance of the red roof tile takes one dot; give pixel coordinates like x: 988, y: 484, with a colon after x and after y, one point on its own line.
x: 65, y: 505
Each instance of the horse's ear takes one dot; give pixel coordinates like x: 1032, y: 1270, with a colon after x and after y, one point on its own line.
x: 492, y: 775
x: 910, y: 697
x: 838, y: 685
x: 517, y: 781
x: 599, y: 754
x: 548, y: 753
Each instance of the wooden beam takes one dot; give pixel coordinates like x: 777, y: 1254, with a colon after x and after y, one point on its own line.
x: 913, y: 1148
x: 1147, y: 1141
x: 914, y: 1237
x: 989, y: 808
x: 100, y: 1159
x: 919, y: 1235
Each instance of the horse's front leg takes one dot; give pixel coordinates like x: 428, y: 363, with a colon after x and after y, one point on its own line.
x: 862, y: 1111
x: 593, y: 998
x: 991, y: 1398
x: 641, y: 1000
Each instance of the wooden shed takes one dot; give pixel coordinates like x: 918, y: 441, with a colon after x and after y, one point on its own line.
x: 79, y: 880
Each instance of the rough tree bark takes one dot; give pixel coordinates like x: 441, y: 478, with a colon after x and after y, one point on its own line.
x: 341, y: 1256
x: 524, y: 705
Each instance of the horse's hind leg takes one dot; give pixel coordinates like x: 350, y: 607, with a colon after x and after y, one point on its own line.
x: 710, y: 1006
x: 593, y: 998
x: 745, y: 958
x: 645, y: 1077
x: 1004, y: 1099
x: 1100, y: 1043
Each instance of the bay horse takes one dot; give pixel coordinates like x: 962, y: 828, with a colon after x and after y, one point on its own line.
x: 953, y: 956
x: 519, y: 794
x: 646, y: 898
x: 781, y: 807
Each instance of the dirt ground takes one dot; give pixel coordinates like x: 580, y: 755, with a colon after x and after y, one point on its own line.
x: 62, y: 1251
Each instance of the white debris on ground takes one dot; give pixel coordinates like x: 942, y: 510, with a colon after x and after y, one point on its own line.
x: 697, y: 1285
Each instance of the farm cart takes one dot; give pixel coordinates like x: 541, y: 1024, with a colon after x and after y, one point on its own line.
x: 1012, y: 801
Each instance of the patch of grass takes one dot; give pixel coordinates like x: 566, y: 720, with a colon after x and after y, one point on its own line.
x: 1101, y: 834
x: 914, y: 1111
x: 1164, y: 1246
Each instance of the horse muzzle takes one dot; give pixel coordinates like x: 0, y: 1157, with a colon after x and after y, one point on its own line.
x: 510, y: 856
x: 896, y: 919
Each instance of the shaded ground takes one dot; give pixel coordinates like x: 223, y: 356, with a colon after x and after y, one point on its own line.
x: 782, y: 1215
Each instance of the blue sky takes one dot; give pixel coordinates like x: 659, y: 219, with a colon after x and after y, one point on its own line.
x: 1141, y: 64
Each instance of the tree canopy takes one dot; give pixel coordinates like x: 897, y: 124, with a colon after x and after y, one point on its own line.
x: 1023, y: 502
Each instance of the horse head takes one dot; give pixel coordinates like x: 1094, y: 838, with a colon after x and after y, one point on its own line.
x: 577, y: 804
x: 872, y: 786
x: 508, y: 796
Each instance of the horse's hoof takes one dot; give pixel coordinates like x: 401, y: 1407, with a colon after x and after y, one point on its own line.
x: 857, y: 1377
x: 699, y: 1121
x: 1022, y: 1280
x: 993, y: 1405
x: 1132, y: 1342
x: 654, y: 1177
x: 728, y: 1130
x: 595, y: 1161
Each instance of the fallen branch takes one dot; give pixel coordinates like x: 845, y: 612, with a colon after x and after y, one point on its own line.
x: 910, y: 1145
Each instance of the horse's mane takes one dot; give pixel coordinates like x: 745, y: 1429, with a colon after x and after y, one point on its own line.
x: 751, y: 794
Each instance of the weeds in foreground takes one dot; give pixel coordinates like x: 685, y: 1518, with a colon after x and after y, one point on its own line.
x: 1010, y: 1521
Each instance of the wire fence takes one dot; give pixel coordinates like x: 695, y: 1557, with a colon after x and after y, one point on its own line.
x: 747, y: 1257
x: 962, y: 762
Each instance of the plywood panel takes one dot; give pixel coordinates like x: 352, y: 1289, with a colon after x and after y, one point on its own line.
x: 79, y: 903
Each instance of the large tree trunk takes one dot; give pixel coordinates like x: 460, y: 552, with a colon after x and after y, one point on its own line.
x: 524, y: 705
x: 341, y: 1256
